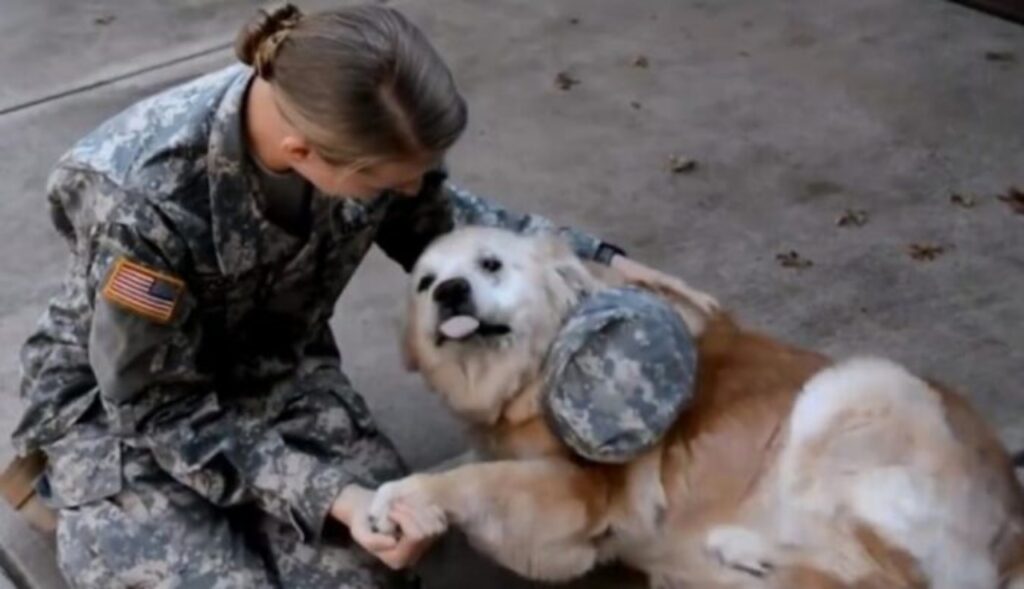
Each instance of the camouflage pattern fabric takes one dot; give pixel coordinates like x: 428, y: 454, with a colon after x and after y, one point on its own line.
x: 158, y: 533
x: 185, y: 366
x: 620, y: 371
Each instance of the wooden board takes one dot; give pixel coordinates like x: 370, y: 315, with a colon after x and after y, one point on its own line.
x: 27, y: 556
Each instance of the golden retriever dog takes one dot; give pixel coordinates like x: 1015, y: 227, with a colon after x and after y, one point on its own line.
x: 788, y: 469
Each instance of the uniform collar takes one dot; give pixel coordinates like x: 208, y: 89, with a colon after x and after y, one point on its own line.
x: 235, y: 220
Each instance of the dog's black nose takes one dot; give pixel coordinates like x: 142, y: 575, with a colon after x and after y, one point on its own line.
x: 452, y: 292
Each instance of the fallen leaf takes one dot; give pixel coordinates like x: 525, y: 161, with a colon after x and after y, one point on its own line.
x: 635, y: 104
x: 574, y: 21
x: 793, y: 259
x: 104, y: 20
x: 853, y: 218
x: 1001, y: 56
x: 925, y: 252
x: 678, y: 164
x: 565, y: 81
x: 1015, y: 198
x: 963, y: 200
x: 641, y: 61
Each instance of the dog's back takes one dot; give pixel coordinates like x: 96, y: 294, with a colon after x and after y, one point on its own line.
x: 792, y: 471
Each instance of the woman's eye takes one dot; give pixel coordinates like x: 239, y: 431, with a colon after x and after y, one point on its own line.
x: 490, y: 265
x: 425, y: 283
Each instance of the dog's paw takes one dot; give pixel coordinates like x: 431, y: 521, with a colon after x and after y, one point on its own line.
x: 422, y: 518
x: 380, y: 508
x: 739, y: 549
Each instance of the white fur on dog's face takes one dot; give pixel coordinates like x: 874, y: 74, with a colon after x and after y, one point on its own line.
x: 494, y: 265
x: 517, y: 287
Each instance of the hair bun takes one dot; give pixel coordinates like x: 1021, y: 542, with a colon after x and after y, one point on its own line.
x: 258, y: 40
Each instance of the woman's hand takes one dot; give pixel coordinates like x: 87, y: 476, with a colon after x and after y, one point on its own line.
x: 638, y: 274
x: 398, y: 552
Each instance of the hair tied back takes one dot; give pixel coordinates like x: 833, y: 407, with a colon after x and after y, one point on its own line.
x: 260, y: 39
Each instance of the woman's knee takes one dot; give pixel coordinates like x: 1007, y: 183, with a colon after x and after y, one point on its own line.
x: 79, y: 555
x: 100, y: 545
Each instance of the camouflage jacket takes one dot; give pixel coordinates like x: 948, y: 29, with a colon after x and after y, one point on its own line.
x: 163, y: 196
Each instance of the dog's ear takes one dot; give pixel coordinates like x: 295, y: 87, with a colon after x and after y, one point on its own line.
x: 567, y: 279
x: 575, y: 277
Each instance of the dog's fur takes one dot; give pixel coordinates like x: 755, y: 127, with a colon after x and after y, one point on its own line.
x: 789, y: 470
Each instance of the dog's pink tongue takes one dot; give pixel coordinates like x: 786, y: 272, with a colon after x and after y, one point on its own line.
x: 460, y: 327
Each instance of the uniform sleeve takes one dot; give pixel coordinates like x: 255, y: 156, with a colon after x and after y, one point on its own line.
x: 412, y: 223
x: 157, y: 388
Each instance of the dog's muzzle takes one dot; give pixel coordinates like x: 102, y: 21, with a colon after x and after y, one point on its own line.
x: 457, y: 317
x: 454, y: 298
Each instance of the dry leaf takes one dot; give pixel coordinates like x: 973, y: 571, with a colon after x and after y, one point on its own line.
x: 853, y: 218
x: 1001, y: 56
x: 681, y: 165
x: 104, y: 20
x: 1015, y: 198
x: 574, y: 21
x: 793, y: 259
x: 565, y: 81
x: 635, y: 104
x: 925, y: 252
x: 963, y: 200
x: 641, y: 61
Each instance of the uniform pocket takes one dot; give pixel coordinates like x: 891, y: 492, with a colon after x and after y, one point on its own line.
x: 82, y: 470
x: 330, y: 381
x: 358, y: 410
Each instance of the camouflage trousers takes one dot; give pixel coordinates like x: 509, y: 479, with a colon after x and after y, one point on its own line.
x: 158, y: 533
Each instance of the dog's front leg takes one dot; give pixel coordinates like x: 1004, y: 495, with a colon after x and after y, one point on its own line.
x: 537, y: 517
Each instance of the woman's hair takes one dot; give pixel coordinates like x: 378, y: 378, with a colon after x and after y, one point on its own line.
x: 361, y: 83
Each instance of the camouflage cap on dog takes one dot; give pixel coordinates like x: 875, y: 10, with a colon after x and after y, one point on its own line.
x: 620, y: 371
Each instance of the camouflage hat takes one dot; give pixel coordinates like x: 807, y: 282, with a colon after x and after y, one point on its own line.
x: 620, y: 371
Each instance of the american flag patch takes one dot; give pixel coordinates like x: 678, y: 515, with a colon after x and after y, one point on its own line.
x: 143, y: 291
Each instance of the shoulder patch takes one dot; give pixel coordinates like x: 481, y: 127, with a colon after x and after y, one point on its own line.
x: 143, y: 291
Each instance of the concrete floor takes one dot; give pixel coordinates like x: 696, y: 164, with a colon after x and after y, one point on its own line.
x: 796, y: 111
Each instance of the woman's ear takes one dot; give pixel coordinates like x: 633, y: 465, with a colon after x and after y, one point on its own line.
x: 295, y: 149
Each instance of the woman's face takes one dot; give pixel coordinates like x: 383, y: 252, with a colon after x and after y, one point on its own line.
x: 364, y: 181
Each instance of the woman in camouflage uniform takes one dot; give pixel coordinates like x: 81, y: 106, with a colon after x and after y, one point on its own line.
x: 185, y: 385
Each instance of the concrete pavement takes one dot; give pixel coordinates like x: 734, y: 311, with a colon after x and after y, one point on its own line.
x: 796, y: 111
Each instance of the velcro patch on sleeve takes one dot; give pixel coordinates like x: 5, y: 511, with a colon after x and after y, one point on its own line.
x: 143, y: 291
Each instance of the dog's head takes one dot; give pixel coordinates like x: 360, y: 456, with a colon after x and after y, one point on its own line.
x: 484, y: 306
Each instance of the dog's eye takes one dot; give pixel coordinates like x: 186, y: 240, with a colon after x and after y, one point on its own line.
x: 491, y: 265
x: 425, y: 283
